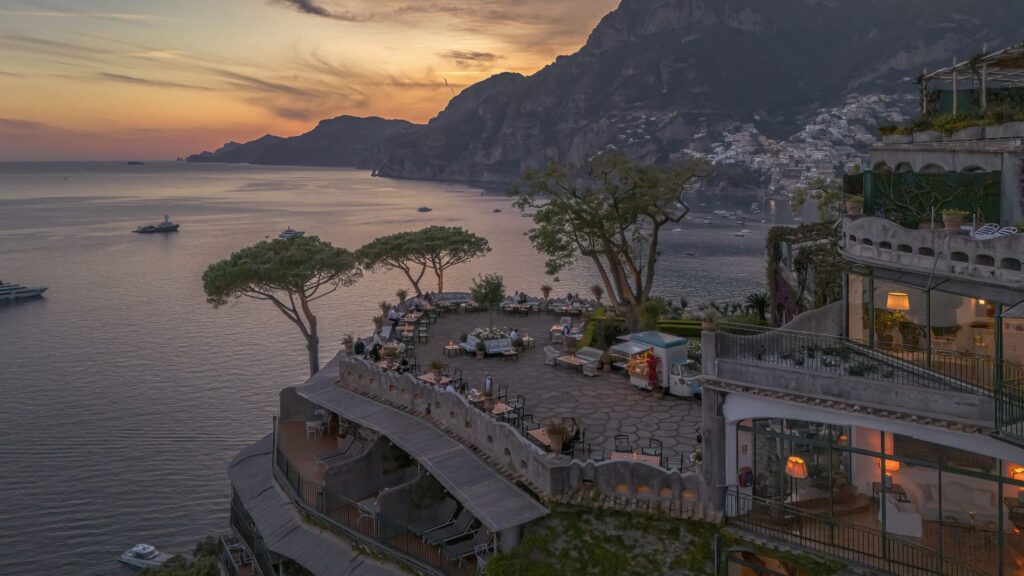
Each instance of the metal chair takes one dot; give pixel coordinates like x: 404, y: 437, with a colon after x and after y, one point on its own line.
x: 527, y: 423
x: 421, y: 334
x: 503, y: 393
x: 596, y: 454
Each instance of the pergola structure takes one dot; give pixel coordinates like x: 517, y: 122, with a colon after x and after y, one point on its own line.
x: 1004, y: 68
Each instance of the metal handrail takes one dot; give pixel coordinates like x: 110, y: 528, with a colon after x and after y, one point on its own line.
x: 908, y: 365
x: 846, y: 542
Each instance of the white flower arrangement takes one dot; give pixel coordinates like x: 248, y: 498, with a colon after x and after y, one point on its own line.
x: 490, y: 333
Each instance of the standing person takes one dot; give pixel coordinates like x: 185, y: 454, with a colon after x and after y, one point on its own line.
x: 488, y: 385
x: 513, y: 335
x: 393, y: 317
x: 566, y: 340
x: 568, y: 298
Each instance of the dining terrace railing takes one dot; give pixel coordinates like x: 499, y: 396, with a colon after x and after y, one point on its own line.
x: 352, y: 516
x: 851, y: 543
x: 939, y: 369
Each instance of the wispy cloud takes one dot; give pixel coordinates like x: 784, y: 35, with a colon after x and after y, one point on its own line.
x: 115, y: 16
x: 315, y: 9
x: 148, y: 82
x: 17, y: 125
x: 470, y: 55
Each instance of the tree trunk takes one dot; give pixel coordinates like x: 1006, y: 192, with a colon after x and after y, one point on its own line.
x: 631, y: 315
x: 440, y: 281
x: 313, y: 347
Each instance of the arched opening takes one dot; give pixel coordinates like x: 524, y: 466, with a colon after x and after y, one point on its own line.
x: 984, y: 260
x: 904, y: 167
x: 959, y: 257
x: 880, y: 166
x: 933, y: 169
x: 973, y: 169
x: 905, y: 248
x: 1010, y: 264
x: 867, y: 242
x: 885, y: 245
x: 925, y: 251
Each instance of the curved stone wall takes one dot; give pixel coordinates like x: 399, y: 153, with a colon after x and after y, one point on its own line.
x: 949, y: 253
x: 621, y: 484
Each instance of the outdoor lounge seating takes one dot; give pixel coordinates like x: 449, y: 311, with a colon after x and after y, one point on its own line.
x: 443, y: 517
x: 491, y: 347
x: 467, y: 547
x: 986, y: 231
x: 459, y: 527
x: 550, y: 353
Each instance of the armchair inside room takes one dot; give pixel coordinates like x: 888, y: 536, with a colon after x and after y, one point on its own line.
x: 901, y: 518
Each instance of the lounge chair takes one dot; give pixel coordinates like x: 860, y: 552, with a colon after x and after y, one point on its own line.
x: 459, y: 527
x: 550, y: 353
x: 445, y: 513
x: 467, y: 547
x: 1007, y: 231
x: 986, y: 231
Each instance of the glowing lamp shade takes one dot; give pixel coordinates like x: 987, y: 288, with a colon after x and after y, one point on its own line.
x: 1017, y: 473
x: 897, y: 301
x: 890, y: 465
x: 796, y: 467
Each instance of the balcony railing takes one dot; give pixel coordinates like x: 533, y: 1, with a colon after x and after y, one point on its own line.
x: 897, y: 364
x: 350, y: 516
x: 845, y: 542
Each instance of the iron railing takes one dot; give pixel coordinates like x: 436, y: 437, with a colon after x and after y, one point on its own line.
x: 351, y: 516
x: 885, y: 362
x: 861, y: 545
x: 242, y: 523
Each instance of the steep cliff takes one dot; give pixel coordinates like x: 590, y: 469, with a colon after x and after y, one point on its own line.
x: 654, y: 73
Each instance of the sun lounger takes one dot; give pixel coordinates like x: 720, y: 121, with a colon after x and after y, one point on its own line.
x: 445, y: 513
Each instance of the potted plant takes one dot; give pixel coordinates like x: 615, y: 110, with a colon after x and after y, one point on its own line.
x: 709, y: 321
x: 545, y: 290
x: 557, y: 434
x: 436, y: 366
x: 347, y: 342
x: 855, y: 205
x: 481, y: 349
x: 953, y: 219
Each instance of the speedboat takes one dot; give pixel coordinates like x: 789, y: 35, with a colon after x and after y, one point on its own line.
x: 144, y: 556
x: 424, y: 209
x: 290, y: 232
x: 165, y: 226
x: 10, y: 292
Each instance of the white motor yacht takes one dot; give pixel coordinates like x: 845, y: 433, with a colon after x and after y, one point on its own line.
x: 10, y: 292
x: 144, y: 556
x: 290, y: 232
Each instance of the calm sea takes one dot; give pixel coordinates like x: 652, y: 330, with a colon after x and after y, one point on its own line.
x: 123, y: 395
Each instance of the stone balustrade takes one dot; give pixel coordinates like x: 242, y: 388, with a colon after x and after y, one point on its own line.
x: 946, y: 253
x: 620, y: 484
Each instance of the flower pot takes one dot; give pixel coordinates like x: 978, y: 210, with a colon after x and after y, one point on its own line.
x: 952, y: 221
x: 855, y: 208
x: 707, y: 326
x: 557, y: 442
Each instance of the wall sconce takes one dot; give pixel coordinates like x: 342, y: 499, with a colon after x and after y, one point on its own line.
x: 897, y: 301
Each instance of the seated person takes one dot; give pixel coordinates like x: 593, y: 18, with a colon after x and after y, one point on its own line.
x: 375, y: 352
x: 359, y: 349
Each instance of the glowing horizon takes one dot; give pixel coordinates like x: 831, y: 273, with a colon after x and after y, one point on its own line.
x: 122, y: 79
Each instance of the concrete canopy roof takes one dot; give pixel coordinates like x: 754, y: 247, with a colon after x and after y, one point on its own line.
x: 488, y: 495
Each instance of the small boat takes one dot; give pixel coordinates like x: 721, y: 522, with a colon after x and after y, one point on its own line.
x: 144, y: 556
x: 424, y: 209
x: 11, y: 292
x: 496, y: 210
x: 135, y: 163
x: 290, y: 232
x: 527, y: 214
x: 165, y: 226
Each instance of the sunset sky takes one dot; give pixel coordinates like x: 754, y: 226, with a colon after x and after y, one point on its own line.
x: 155, y: 79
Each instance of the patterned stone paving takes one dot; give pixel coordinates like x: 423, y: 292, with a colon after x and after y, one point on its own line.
x: 607, y: 404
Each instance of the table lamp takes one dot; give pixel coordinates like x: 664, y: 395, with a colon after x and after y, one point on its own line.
x: 897, y: 301
x: 796, y: 468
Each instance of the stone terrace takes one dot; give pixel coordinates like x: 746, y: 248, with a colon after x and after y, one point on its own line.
x: 606, y: 405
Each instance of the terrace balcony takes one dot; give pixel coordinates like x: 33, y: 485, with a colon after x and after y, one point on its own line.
x: 938, y: 256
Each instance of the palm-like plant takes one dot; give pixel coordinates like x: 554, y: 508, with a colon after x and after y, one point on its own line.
x: 758, y: 303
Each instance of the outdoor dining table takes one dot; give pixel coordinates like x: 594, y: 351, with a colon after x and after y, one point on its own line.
x: 572, y: 360
x: 541, y: 435
x: 500, y: 408
x: 652, y: 460
x: 451, y: 349
x: 430, y: 379
x: 529, y: 342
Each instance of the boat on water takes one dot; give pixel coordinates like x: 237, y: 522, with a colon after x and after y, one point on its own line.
x: 165, y: 226
x: 144, y: 556
x: 290, y: 232
x: 11, y: 292
x: 424, y: 209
